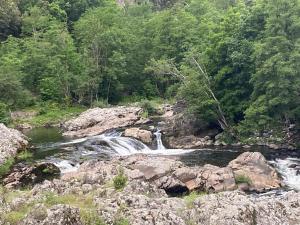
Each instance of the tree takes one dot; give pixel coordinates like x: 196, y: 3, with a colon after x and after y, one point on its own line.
x: 276, y: 81
x: 10, y: 20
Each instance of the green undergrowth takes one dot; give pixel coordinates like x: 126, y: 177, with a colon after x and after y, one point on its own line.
x: 6, y: 166
x: 49, y: 114
x: 242, y: 179
x: 88, y: 212
x: 120, y: 180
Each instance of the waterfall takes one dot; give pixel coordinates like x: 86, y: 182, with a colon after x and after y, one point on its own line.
x: 289, y: 170
x: 160, y: 145
x: 103, y: 146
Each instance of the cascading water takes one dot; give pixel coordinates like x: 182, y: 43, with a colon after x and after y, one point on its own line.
x: 160, y: 145
x: 289, y: 169
x: 102, y: 146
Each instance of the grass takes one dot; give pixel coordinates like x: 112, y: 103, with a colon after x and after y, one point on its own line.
x: 189, y: 199
x: 88, y: 212
x: 7, y: 165
x: 121, y: 221
x: 242, y: 179
x: 13, y: 217
x: 24, y: 155
x: 50, y: 114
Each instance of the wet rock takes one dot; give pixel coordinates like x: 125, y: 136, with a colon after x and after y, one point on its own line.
x: 143, y: 135
x: 254, y: 166
x: 11, y: 141
x: 96, y: 121
x: 187, y: 142
x: 24, y: 126
x: 23, y: 175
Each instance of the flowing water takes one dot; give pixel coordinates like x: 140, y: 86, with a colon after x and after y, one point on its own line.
x: 68, y: 154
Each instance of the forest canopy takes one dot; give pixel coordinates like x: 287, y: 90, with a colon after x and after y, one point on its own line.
x: 235, y: 63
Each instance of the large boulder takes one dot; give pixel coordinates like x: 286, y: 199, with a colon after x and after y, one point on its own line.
x: 11, y: 141
x: 254, y: 166
x: 23, y: 175
x: 143, y: 135
x: 98, y: 120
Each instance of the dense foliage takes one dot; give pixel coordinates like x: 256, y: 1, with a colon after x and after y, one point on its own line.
x: 235, y: 63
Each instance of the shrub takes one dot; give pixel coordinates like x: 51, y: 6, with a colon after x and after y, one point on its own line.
x: 4, y: 113
x: 120, y: 180
x: 5, y: 167
x: 148, y: 107
x: 242, y: 179
x: 24, y: 155
x: 100, y: 103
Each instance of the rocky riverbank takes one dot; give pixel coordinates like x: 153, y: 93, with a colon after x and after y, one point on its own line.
x: 135, y: 190
x: 11, y: 141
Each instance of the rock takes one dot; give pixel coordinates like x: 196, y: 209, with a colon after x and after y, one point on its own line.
x: 240, y: 209
x: 188, y: 142
x: 24, y: 126
x: 96, y: 121
x: 254, y: 166
x: 56, y: 215
x: 141, y: 209
x: 218, y: 179
x: 23, y: 175
x: 11, y: 141
x: 143, y: 135
x: 156, y: 167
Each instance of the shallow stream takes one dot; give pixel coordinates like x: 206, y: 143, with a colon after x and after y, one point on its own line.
x: 49, y: 145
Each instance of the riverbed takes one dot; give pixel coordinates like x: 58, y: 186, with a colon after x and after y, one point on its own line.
x: 48, y: 144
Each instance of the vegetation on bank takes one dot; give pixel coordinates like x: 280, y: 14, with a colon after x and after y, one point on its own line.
x: 235, y: 63
x: 48, y: 114
x: 84, y: 202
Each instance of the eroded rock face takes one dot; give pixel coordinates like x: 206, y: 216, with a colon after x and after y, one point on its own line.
x: 96, y: 121
x: 11, y: 141
x: 143, y: 135
x: 174, y: 177
x: 254, y: 166
x: 23, y: 175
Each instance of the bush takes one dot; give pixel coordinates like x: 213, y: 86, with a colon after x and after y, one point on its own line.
x: 24, y: 156
x: 120, y: 180
x: 5, y: 167
x: 148, y: 107
x: 4, y: 113
x: 100, y: 103
x: 242, y: 179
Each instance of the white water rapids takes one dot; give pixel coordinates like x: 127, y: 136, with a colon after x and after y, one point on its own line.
x: 110, y: 144
x: 107, y: 144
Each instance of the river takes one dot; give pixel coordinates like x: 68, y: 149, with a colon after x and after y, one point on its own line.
x: 49, y: 145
